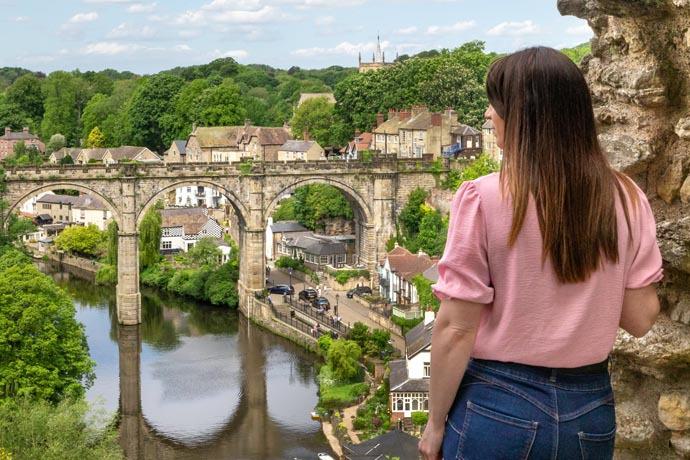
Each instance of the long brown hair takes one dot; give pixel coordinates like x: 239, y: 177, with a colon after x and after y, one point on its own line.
x: 551, y: 152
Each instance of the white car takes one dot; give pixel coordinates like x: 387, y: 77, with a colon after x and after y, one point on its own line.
x: 324, y: 456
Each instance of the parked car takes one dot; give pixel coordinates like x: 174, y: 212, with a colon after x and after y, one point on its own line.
x: 358, y: 291
x: 281, y: 289
x: 307, y: 295
x: 321, y: 303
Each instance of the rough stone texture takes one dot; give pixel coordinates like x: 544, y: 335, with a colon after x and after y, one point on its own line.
x: 674, y: 411
x: 639, y: 74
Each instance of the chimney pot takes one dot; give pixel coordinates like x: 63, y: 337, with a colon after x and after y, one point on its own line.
x: 305, y: 136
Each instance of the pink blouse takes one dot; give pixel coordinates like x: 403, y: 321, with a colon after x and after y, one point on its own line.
x: 531, y: 317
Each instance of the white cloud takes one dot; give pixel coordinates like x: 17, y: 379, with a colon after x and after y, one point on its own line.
x: 324, y: 20
x: 582, y: 29
x: 407, y: 30
x: 346, y: 48
x: 235, y: 54
x: 229, y: 12
x: 80, y: 18
x: 125, y: 30
x: 108, y: 2
x: 513, y: 28
x: 21, y: 19
x: 108, y: 48
x: 142, y: 7
x: 459, y: 26
x: 306, y: 4
x: 189, y: 33
x: 182, y: 48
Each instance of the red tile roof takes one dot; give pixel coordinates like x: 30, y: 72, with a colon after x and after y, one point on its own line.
x: 408, y: 265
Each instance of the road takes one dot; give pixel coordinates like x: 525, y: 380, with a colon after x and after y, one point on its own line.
x: 349, y: 310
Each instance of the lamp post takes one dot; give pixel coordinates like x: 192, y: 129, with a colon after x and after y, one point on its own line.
x: 337, y: 296
x: 290, y: 283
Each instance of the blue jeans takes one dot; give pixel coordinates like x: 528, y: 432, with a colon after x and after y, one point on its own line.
x: 515, y: 411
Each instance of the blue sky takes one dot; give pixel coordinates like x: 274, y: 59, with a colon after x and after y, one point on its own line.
x: 148, y: 36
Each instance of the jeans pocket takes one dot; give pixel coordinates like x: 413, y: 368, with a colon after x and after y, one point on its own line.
x: 597, y: 446
x: 451, y: 437
x: 488, y: 434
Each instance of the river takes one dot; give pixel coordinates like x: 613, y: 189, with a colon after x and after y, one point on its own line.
x: 197, y: 382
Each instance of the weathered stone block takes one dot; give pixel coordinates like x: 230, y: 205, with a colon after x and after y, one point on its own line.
x: 666, y: 346
x: 681, y: 444
x: 685, y: 191
x: 635, y: 428
x: 674, y: 411
x: 671, y: 182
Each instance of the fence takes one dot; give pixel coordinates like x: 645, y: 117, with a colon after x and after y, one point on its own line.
x: 328, y: 321
x: 299, y: 325
x: 408, y: 313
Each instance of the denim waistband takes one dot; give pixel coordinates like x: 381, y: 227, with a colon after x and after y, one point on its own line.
x: 592, y: 376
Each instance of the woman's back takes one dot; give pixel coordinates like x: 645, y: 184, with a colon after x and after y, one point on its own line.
x: 533, y: 318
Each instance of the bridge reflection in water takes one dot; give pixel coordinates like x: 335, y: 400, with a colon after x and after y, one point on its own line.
x: 249, y: 433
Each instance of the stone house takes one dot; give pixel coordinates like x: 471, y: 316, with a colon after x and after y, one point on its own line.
x: 409, y: 377
x: 58, y: 155
x: 396, y: 272
x: 360, y: 143
x: 275, y: 232
x: 89, y: 210
x: 301, y: 150
x: 490, y: 146
x: 318, y: 251
x: 214, y: 144
x: 182, y: 228
x: 11, y: 138
x: 264, y: 143
x: 115, y: 155
x: 177, y: 153
x: 58, y: 207
x: 386, y: 134
x: 465, y: 142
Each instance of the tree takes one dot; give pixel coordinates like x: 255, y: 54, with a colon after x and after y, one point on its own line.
x: 43, y: 350
x: 26, y: 94
x: 343, y: 356
x: 204, y: 253
x: 482, y: 166
x: 112, y: 240
x: 315, y: 117
x: 360, y: 334
x: 62, y: 108
x: 433, y: 231
x: 221, y: 285
x: 317, y: 202
x: 150, y: 238
x: 24, y: 156
x: 56, y: 142
x: 221, y: 105
x: 86, y: 241
x: 95, y: 139
x: 412, y: 213
x: 150, y: 102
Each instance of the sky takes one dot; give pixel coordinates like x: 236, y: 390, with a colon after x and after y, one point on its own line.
x: 146, y: 37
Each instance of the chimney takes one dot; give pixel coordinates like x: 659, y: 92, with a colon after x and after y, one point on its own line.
x: 305, y: 136
x: 379, y: 119
x: 8, y: 131
x: 25, y: 130
x: 417, y: 109
x: 357, y: 133
x: 392, y: 113
x: 436, y: 119
x: 247, y: 123
x: 429, y: 316
x: 404, y: 115
x: 453, y: 115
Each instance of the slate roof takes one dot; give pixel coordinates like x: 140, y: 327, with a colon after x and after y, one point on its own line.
x: 88, y: 202
x: 488, y: 124
x: 417, y: 339
x: 318, y: 245
x: 408, y: 265
x: 18, y: 136
x: 181, y: 146
x: 296, y: 146
x: 73, y: 152
x: 421, y: 121
x: 394, y: 443
x: 286, y: 226
x: 129, y: 152
x: 57, y: 199
x: 94, y: 154
x: 464, y: 130
x: 191, y: 219
x: 400, y: 381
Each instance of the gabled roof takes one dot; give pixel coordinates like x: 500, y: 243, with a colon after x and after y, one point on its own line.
x: 418, y: 338
x: 296, y: 146
x: 57, y: 199
x: 181, y: 146
x: 191, y: 220
x: 408, y: 265
x: 488, y: 124
x: 400, y: 381
x: 72, y: 152
x: 18, y: 136
x: 363, y: 142
x: 318, y: 245
x: 389, y: 126
x: 129, y: 152
x: 87, y: 201
x: 94, y: 154
x: 394, y: 443
x: 271, y: 136
x: 421, y: 121
x: 218, y: 136
x: 464, y: 130
x: 287, y: 226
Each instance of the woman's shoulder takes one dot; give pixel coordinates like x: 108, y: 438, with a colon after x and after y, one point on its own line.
x: 485, y: 188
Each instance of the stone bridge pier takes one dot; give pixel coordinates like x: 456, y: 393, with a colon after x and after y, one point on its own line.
x: 128, y: 295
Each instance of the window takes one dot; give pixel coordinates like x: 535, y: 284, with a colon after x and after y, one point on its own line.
x: 341, y: 258
x: 105, y: 215
x: 427, y: 369
x: 399, y: 404
x: 323, y: 259
x: 166, y: 244
x: 189, y: 189
x: 82, y: 214
x: 415, y: 404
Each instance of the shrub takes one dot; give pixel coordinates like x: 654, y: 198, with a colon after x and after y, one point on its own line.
x: 406, y: 324
x: 343, y: 357
x: 106, y: 275
x: 420, y: 418
x: 289, y: 262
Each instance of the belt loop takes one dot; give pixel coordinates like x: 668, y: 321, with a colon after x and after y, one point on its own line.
x: 553, y: 375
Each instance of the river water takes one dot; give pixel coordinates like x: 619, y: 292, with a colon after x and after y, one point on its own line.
x: 197, y: 382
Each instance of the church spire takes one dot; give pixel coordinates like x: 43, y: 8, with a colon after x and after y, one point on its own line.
x: 379, y: 54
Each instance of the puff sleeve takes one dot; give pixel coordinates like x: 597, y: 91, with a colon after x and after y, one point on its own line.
x: 645, y: 268
x: 463, y: 271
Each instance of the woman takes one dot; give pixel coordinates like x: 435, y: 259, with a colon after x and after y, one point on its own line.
x: 542, y: 264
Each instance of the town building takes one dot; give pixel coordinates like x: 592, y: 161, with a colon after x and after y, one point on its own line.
x: 386, y: 134
x: 396, y: 272
x: 182, y: 228
x: 409, y: 377
x: 58, y: 155
x: 378, y: 60
x: 198, y: 196
x: 490, y: 145
x: 89, y: 210
x: 11, y: 138
x: 304, y: 97
x: 301, y: 150
x: 58, y: 207
x: 29, y: 208
x: 291, y: 239
x: 230, y: 144
x: 264, y: 143
x: 177, y: 153
x: 354, y: 148
x: 466, y: 142
x: 276, y: 231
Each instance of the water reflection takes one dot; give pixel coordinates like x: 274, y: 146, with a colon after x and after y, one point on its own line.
x: 198, y: 382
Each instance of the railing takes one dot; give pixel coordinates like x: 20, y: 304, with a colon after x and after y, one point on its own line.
x: 407, y: 313
x: 297, y: 324
x: 322, y: 318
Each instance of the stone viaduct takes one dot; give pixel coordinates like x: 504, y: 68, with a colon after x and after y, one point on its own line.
x: 375, y: 189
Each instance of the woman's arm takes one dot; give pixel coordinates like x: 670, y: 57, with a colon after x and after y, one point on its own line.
x: 452, y: 340
x: 640, y: 309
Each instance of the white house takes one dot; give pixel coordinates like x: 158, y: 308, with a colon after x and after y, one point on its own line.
x: 182, y: 228
x: 87, y: 210
x: 199, y: 196
x: 396, y: 273
x: 409, y: 377
x: 29, y: 206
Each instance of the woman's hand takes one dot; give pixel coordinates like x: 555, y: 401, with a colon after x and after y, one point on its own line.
x: 430, y: 444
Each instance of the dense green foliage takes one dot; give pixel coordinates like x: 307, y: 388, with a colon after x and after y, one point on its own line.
x: 31, y: 429
x: 315, y: 117
x: 577, y: 53
x: 343, y: 358
x: 43, y: 350
x: 84, y: 241
x: 150, y: 233
x: 374, y: 417
x: 343, y: 276
x: 334, y: 393
x: 373, y: 343
x: 311, y: 204
x: 421, y: 226
x: 24, y: 156
x: 480, y: 167
x: 420, y: 418
x: 405, y: 324
x: 426, y: 295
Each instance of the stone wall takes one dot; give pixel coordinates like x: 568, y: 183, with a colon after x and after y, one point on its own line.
x: 639, y: 73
